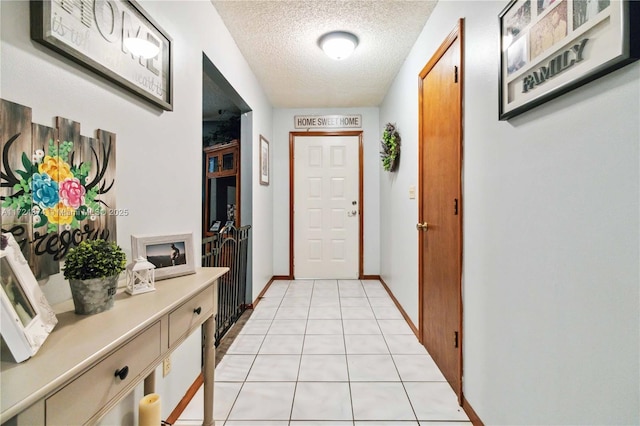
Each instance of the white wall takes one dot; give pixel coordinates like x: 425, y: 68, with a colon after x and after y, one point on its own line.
x: 283, y: 124
x: 159, y: 153
x: 551, y: 236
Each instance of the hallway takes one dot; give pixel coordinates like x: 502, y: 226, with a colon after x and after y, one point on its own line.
x: 332, y: 353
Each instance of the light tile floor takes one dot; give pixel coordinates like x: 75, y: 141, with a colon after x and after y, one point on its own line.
x: 328, y: 353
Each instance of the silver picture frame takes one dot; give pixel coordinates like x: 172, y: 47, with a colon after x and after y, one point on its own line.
x: 172, y: 255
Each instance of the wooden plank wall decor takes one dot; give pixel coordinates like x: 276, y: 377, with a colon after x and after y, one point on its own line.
x: 57, y: 187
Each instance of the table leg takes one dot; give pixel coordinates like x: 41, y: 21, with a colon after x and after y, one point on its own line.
x: 209, y: 368
x: 150, y: 383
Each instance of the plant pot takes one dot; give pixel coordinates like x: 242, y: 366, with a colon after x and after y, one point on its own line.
x: 93, y: 296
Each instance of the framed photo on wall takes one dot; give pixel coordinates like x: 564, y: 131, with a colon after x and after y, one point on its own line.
x: 97, y: 35
x: 172, y: 255
x: 26, y: 318
x: 264, y: 161
x: 549, y: 47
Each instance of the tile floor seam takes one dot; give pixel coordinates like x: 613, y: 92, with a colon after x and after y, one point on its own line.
x: 235, y: 400
x: 326, y: 327
x: 346, y: 361
x: 304, y: 337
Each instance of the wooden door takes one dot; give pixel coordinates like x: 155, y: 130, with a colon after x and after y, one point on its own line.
x: 326, y: 206
x: 440, y: 208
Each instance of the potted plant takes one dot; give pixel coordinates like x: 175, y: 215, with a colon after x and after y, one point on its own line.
x: 390, y: 153
x: 92, y: 269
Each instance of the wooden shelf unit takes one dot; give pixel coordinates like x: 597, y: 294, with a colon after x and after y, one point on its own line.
x: 221, y: 185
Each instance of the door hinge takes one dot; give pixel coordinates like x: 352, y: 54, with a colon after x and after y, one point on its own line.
x: 455, y: 74
x: 455, y: 206
x: 455, y: 339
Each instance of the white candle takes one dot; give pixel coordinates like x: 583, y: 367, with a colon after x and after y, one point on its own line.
x: 149, y: 410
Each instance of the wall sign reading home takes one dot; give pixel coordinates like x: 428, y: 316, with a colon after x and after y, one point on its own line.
x: 328, y: 121
x: 96, y: 34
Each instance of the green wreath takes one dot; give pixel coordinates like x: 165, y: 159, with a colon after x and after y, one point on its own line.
x: 390, y: 153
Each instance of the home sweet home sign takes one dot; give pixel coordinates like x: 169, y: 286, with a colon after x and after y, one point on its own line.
x: 57, y: 187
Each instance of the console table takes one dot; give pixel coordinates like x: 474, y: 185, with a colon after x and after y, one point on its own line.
x: 89, y: 363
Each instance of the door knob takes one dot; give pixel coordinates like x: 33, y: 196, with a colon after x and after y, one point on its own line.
x: 422, y: 226
x: 352, y: 213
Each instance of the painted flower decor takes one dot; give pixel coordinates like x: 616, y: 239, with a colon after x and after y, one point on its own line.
x: 53, y: 190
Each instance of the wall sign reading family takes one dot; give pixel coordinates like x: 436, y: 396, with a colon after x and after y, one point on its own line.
x: 93, y: 34
x: 549, y: 47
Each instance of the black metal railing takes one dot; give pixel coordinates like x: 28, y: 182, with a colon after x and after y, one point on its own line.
x: 228, y: 248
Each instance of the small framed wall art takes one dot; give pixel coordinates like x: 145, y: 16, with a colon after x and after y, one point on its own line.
x: 549, y: 47
x: 26, y: 318
x: 264, y: 161
x: 172, y: 255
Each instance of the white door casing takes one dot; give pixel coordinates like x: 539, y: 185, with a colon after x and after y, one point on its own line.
x: 326, y: 207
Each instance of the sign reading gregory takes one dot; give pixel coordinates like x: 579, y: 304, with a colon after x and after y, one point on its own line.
x: 93, y: 33
x: 56, y: 186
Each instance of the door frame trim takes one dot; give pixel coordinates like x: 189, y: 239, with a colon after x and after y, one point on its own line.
x: 456, y: 34
x: 292, y: 136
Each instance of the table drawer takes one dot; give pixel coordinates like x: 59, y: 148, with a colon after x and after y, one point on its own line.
x: 190, y: 315
x: 81, y: 399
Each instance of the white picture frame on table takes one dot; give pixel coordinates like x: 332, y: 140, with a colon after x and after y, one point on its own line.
x: 171, y: 254
x: 26, y: 318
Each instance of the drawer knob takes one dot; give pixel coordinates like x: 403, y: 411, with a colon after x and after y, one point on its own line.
x: 197, y: 310
x: 122, y: 373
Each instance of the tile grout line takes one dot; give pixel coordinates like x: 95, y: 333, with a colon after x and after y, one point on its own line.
x: 396, y: 368
x: 252, y: 363
x: 346, y: 358
x: 304, y: 337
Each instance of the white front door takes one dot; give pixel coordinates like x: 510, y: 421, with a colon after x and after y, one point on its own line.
x: 326, y: 207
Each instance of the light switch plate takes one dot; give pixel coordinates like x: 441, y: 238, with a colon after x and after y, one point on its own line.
x: 412, y: 192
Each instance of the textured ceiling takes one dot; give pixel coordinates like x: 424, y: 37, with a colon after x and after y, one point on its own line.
x: 278, y: 38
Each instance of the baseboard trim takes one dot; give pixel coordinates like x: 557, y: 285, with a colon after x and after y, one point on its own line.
x: 281, y: 277
x: 401, y: 309
x: 261, y: 295
x: 371, y: 277
x: 475, y: 419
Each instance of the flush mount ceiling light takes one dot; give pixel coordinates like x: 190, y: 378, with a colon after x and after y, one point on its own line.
x: 338, y: 44
x: 141, y: 47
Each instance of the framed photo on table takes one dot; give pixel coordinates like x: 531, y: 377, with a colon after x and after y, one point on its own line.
x: 549, y: 47
x: 172, y: 255
x: 26, y: 318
